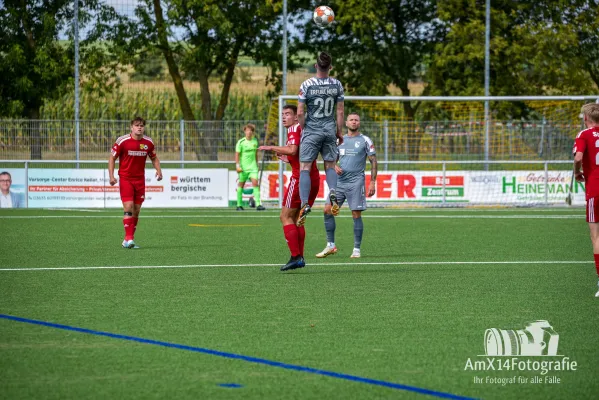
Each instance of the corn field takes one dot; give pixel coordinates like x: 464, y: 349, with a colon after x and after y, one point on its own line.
x: 157, y: 105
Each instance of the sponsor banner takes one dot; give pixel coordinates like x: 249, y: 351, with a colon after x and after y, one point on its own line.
x: 191, y: 188
x: 477, y: 187
x: 523, y: 187
x: 89, y: 188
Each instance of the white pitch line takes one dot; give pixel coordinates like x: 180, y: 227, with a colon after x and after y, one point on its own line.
x: 562, y: 216
x: 312, y: 265
x: 382, y: 209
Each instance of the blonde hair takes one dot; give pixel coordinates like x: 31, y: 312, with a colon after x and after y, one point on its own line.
x: 251, y: 127
x: 591, y: 111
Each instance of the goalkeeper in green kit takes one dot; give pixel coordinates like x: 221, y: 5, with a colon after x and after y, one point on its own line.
x: 247, y: 165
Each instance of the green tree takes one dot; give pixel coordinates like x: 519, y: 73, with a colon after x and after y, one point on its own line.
x: 377, y: 43
x: 580, y: 18
x: 200, y: 39
x: 147, y: 67
x: 36, y: 66
x: 535, y: 48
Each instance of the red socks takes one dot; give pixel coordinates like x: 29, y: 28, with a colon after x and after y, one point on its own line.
x: 596, y: 263
x: 129, y: 224
x: 135, y: 219
x: 292, y: 238
x: 301, y: 234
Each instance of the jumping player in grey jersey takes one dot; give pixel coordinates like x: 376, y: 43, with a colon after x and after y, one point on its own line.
x: 320, y: 114
x: 352, y: 164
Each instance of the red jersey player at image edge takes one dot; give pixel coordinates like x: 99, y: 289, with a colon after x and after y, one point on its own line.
x: 586, y: 155
x: 294, y: 235
x: 132, y: 150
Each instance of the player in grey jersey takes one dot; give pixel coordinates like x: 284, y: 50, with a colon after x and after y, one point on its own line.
x: 320, y: 114
x: 353, y: 152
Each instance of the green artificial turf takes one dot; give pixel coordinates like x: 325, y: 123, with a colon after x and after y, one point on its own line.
x: 411, y: 311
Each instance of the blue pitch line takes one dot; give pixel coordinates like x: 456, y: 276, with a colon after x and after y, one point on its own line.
x: 230, y: 385
x: 234, y: 356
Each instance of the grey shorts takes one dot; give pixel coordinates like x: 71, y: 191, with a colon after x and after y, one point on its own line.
x: 313, y: 143
x: 355, y: 195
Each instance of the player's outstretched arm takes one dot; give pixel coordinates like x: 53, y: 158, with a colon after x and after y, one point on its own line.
x: 289, y: 150
x: 111, y: 164
x: 156, y: 164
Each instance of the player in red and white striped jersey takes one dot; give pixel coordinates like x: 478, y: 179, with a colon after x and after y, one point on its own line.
x: 294, y: 235
x: 132, y: 150
x: 586, y: 155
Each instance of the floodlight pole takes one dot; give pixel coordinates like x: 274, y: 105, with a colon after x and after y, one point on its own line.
x: 487, y: 76
x: 76, y: 39
x: 284, y: 47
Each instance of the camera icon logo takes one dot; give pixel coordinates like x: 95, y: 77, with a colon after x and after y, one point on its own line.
x: 536, y: 339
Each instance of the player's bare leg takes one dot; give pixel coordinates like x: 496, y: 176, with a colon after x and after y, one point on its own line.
x: 594, y: 228
x: 329, y: 225
x: 358, y: 230
x: 289, y: 217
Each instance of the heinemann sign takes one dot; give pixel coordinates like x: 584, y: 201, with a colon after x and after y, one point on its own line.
x: 531, y: 185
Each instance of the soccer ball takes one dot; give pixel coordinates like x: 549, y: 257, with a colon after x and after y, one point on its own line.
x: 323, y: 16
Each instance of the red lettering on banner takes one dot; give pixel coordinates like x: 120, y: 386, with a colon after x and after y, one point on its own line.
x: 273, y: 185
x: 405, y: 186
x: 383, y: 186
x: 87, y: 189
x: 438, y: 181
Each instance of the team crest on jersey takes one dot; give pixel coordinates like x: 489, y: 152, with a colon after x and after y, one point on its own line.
x: 143, y: 146
x: 596, y: 134
x: 357, y: 145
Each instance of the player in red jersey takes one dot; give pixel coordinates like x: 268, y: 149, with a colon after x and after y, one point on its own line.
x: 586, y: 155
x: 132, y: 151
x: 294, y: 235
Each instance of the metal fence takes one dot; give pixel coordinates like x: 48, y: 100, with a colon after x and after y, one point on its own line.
x: 215, y: 140
x: 175, y: 140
